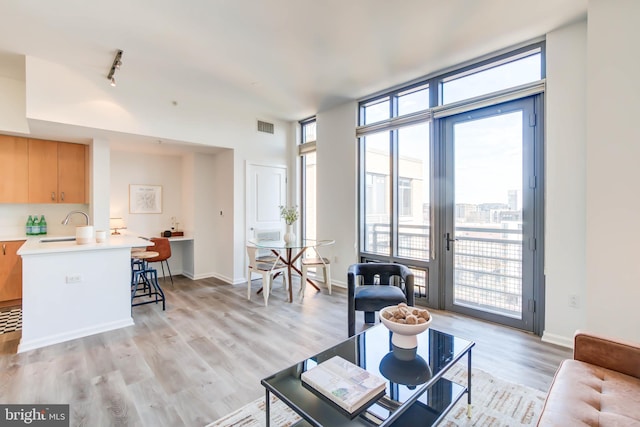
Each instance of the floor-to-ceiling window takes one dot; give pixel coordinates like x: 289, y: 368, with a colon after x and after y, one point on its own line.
x: 307, y: 151
x: 395, y: 159
x: 451, y: 185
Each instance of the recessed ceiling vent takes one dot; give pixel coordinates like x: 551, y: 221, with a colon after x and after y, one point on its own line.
x: 265, y: 127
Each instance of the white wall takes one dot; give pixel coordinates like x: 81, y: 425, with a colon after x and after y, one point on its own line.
x: 565, y: 199
x: 188, y: 206
x: 223, y: 217
x: 13, y: 106
x: 138, y: 168
x: 336, y: 202
x: 99, y: 183
x: 613, y: 152
x: 205, y: 199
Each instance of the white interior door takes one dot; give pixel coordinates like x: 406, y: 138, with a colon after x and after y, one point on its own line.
x: 266, y: 192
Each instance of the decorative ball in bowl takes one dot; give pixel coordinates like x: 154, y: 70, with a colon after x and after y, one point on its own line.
x: 405, y: 322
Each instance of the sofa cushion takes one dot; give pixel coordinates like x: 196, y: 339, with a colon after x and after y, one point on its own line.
x: 582, y: 394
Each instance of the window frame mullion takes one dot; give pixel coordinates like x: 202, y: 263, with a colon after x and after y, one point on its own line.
x: 394, y: 165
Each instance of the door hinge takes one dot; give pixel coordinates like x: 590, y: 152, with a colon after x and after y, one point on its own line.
x: 532, y: 306
x: 532, y: 244
x: 532, y: 120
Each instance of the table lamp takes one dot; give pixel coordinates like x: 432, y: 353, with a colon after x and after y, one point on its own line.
x: 116, y: 224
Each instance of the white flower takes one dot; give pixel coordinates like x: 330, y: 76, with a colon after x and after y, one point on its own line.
x: 289, y: 214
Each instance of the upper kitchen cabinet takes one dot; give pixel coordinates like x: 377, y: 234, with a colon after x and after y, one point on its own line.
x: 14, y: 169
x: 72, y: 173
x: 57, y: 172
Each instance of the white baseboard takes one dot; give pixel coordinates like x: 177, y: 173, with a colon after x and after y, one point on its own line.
x: 216, y: 276
x: 338, y: 283
x: 557, y: 339
x: 71, y: 335
x: 240, y: 281
x: 228, y: 280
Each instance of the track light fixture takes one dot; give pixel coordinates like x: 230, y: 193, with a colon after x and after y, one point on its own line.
x: 117, y: 62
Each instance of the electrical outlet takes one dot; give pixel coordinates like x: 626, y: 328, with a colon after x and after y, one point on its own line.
x: 574, y: 301
x: 73, y: 278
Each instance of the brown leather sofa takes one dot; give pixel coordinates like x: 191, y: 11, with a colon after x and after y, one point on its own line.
x: 600, y: 386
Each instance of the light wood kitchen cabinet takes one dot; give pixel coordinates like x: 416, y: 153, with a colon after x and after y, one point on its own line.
x: 71, y: 173
x: 10, y: 273
x: 57, y: 172
x: 14, y: 169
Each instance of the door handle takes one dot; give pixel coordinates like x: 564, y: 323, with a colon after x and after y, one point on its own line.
x: 4, y: 249
x: 449, y: 240
x: 53, y: 196
x: 62, y: 195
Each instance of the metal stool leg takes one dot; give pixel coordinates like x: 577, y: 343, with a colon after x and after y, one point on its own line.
x: 169, y: 270
x: 149, y: 278
x: 158, y: 289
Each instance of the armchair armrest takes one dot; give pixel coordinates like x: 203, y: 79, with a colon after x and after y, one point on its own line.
x: 614, y: 354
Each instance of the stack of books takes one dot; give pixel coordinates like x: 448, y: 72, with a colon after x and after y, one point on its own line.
x: 345, y: 384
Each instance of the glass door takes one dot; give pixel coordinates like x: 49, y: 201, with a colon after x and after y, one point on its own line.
x: 488, y: 236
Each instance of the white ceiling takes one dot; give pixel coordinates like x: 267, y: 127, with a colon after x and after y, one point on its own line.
x: 286, y: 59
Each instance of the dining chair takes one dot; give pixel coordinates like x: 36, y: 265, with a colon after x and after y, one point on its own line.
x: 162, y: 245
x: 372, y: 286
x: 317, y: 262
x: 267, y: 270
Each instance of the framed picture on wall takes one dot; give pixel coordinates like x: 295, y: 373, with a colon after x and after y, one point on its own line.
x: 145, y: 199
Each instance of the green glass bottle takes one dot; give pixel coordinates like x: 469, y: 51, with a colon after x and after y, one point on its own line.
x: 35, y: 230
x: 43, y: 225
x: 29, y: 226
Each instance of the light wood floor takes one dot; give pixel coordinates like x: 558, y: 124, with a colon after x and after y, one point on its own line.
x: 206, y: 354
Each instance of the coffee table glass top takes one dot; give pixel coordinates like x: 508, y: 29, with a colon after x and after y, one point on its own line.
x: 412, y: 376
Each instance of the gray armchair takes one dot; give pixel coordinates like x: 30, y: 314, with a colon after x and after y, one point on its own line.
x: 371, y: 287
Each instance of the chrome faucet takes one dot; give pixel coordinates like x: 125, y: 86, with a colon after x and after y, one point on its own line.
x: 66, y: 220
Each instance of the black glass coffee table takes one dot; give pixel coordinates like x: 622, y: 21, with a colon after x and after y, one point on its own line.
x: 416, y: 392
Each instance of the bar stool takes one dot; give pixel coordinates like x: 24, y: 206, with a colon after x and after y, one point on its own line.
x: 142, y: 273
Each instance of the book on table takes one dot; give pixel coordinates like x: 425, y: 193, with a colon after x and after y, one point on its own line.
x: 344, y: 383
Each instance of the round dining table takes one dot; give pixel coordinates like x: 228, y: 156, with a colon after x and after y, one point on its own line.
x: 290, y: 252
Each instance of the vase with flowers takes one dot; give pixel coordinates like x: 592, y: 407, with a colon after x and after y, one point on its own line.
x: 290, y: 215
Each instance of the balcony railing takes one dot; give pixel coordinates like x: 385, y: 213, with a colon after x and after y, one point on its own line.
x: 487, y: 264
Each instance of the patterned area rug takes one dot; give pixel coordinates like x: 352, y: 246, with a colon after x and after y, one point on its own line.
x: 10, y: 320
x: 495, y: 402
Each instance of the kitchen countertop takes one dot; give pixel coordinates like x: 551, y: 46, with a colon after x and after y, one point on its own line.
x: 34, y: 245
x: 14, y: 238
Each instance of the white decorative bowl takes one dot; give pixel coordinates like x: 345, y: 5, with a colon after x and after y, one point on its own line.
x: 404, y: 335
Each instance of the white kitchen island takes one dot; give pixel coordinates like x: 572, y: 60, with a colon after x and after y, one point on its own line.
x: 70, y: 291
